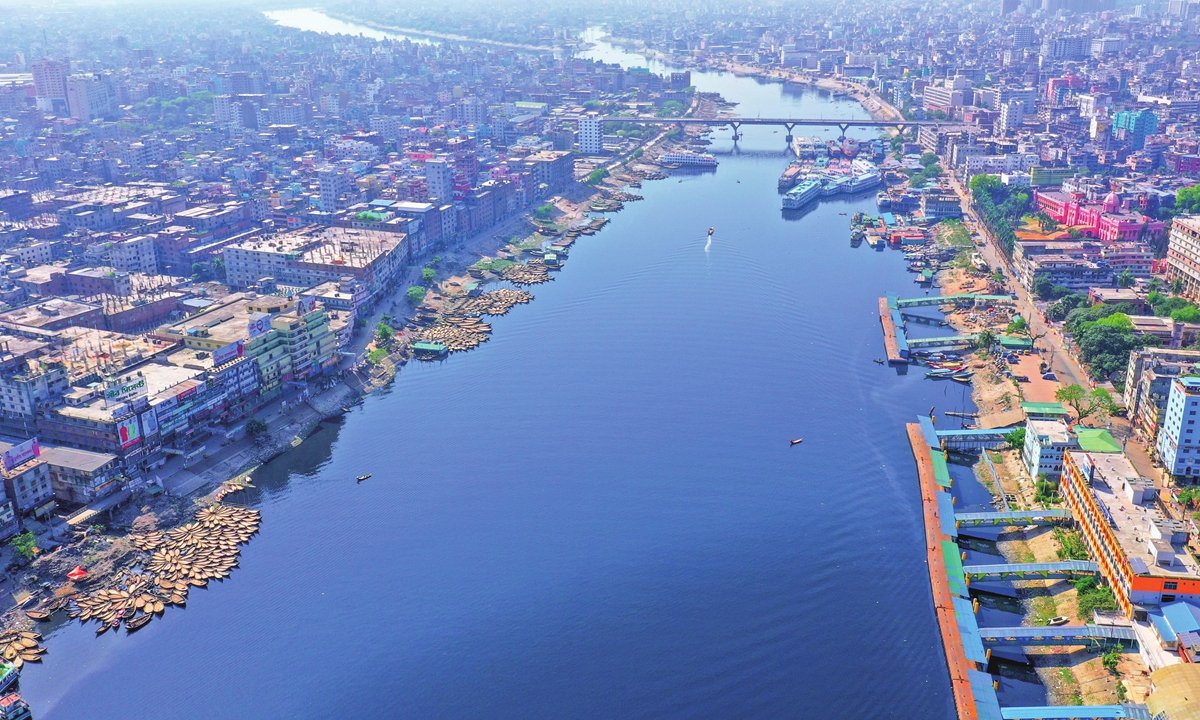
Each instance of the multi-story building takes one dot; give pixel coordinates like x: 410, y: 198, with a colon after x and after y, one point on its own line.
x: 1141, y: 553
x: 439, y: 179
x: 1148, y: 380
x: 1045, y: 443
x: 591, y: 136
x: 26, y: 475
x: 89, y: 97
x: 1134, y: 126
x: 50, y: 84
x: 81, y: 476
x: 1178, y: 443
x: 1183, y: 255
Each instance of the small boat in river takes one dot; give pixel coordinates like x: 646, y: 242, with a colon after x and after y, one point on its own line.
x: 711, y: 230
x: 797, y: 441
x: 137, y: 623
x: 360, y: 478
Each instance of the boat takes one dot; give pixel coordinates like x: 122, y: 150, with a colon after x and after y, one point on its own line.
x: 850, y: 147
x: 801, y: 195
x: 863, y: 181
x: 14, y: 707
x: 137, y: 623
x: 711, y: 230
x: 834, y: 149
x: 878, y: 361
x: 1059, y: 620
x: 8, y: 675
x: 789, y: 177
x: 39, y: 615
x: 797, y: 441
x: 360, y: 478
x: 688, y: 158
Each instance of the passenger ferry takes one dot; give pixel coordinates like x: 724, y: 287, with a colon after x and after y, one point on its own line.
x: 863, y: 182
x: 801, y: 195
x: 687, y: 158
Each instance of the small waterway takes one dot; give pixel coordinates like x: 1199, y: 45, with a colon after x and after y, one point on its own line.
x: 597, y: 514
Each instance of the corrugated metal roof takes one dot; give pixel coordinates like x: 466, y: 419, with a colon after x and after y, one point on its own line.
x: 952, y: 556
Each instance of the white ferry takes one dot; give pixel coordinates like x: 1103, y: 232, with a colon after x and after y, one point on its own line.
x: 687, y: 158
x: 801, y: 195
x: 863, y: 182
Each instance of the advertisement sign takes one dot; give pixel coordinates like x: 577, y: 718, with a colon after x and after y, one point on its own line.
x: 260, y: 324
x: 128, y: 432
x: 232, y: 351
x: 121, y: 390
x: 305, y: 305
x: 149, y: 422
x: 20, y: 454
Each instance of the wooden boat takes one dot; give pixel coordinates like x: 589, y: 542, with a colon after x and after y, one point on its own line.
x: 797, y: 441
x: 711, y: 230
x: 39, y: 615
x: 137, y: 623
x: 878, y: 361
x: 1056, y: 621
x: 360, y: 478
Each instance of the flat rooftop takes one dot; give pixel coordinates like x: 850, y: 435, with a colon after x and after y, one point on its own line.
x: 46, y: 312
x: 228, y: 321
x: 1131, y: 522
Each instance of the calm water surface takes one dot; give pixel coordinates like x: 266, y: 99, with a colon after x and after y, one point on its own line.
x: 596, y: 514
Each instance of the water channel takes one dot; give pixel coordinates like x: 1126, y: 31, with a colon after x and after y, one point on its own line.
x: 597, y: 514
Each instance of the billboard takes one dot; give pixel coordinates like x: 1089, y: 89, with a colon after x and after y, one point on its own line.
x: 149, y: 422
x: 128, y: 432
x: 260, y: 324
x: 21, y: 454
x: 305, y: 305
x: 232, y: 351
x: 120, y: 390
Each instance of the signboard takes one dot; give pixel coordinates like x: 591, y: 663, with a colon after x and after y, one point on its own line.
x: 128, y: 432
x: 121, y: 390
x: 305, y: 305
x: 21, y: 454
x: 232, y: 351
x: 260, y: 324
x: 149, y: 422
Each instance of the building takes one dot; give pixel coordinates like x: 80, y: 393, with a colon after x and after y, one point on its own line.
x: 1134, y: 126
x: 80, y: 476
x: 439, y: 179
x: 1178, y: 444
x: 26, y: 475
x: 591, y: 136
x: 1141, y: 553
x: 89, y: 97
x: 315, y: 256
x: 50, y: 84
x: 1183, y: 255
x: 1148, y: 380
x: 553, y: 171
x: 1045, y: 443
x: 940, y: 204
x: 1012, y: 114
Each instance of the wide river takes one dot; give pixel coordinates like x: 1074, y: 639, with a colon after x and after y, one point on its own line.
x: 597, y: 514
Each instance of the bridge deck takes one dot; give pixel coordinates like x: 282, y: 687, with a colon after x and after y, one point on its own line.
x: 1015, y: 517
x: 1061, y: 635
x: 945, y: 299
x: 814, y: 122
x: 944, y: 341
x: 1076, y: 712
x: 1032, y: 571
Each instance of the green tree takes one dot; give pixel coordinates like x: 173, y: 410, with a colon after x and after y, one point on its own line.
x: 929, y: 159
x: 376, y: 356
x: 543, y: 211
x: 427, y: 275
x: 1016, y: 438
x: 985, y: 340
x: 1187, y: 200
x: 25, y: 545
x: 1125, y: 279
x: 256, y: 428
x: 1097, y: 403
x: 384, y: 333
x: 596, y: 176
x: 1111, y: 658
x: 415, y: 295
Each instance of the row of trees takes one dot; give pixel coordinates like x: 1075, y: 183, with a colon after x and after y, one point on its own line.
x: 999, y: 205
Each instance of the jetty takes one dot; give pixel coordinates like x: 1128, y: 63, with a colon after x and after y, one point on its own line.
x: 894, y: 339
x: 967, y: 646
x: 895, y: 322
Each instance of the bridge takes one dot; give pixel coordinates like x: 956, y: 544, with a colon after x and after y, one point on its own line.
x: 946, y: 299
x: 976, y: 439
x: 943, y: 341
x: 736, y: 122
x: 1014, y: 517
x: 1063, y: 635
x: 1032, y: 571
x: 1077, y: 712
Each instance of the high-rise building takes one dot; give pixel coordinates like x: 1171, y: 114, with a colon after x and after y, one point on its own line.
x: 1183, y: 255
x: 50, y: 84
x: 1179, y: 437
x: 1134, y: 126
x: 1023, y: 37
x: 1012, y: 114
x: 591, y: 136
x: 1008, y: 6
x: 334, y: 184
x: 439, y: 179
x: 89, y: 97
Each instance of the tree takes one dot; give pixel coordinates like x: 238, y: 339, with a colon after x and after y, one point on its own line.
x: 25, y: 545
x: 1018, y: 326
x: 596, y: 176
x: 543, y: 211
x: 384, y: 333
x: 1016, y: 439
x: 1187, y: 200
x: 1097, y: 403
x: 415, y: 295
x: 929, y: 159
x: 1125, y: 279
x: 427, y: 275
x: 256, y: 428
x: 1176, y: 286
x: 985, y: 340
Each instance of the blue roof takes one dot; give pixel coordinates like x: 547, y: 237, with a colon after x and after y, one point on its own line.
x: 931, y: 437
x: 968, y: 628
x: 987, y: 705
x: 946, y: 514
x: 1182, y: 616
x: 889, y: 218
x: 1065, y: 712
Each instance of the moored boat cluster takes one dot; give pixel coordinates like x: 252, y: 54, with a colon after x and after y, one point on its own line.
x: 496, y: 302
x: 530, y: 273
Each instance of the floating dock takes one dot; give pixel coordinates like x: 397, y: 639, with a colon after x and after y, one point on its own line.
x: 894, y: 338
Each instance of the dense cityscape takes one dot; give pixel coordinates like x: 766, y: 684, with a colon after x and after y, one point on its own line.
x: 225, y: 230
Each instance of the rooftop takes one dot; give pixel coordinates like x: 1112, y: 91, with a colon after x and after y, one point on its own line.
x: 46, y: 312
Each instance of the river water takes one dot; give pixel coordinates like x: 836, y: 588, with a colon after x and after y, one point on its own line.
x: 597, y: 514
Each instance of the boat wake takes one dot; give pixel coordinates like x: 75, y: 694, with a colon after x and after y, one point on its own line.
x: 708, y: 244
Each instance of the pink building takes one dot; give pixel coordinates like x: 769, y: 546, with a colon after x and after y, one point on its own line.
x: 1105, y: 221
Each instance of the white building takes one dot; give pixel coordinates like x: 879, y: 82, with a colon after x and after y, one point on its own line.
x: 1012, y: 114
x: 1045, y: 442
x: 1178, y: 445
x: 439, y: 179
x: 1000, y: 164
x: 591, y: 136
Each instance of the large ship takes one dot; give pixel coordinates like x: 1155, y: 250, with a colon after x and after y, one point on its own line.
x: 801, y: 195
x: 834, y: 149
x: 850, y: 147
x: 789, y: 177
x: 863, y: 182
x: 688, y: 158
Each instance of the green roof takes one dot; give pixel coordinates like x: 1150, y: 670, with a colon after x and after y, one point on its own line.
x: 1012, y: 341
x: 1036, y: 408
x: 952, y: 556
x: 1097, y: 440
x: 941, y: 473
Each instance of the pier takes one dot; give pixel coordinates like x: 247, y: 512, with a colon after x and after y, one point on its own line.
x: 894, y: 320
x: 894, y: 339
x: 968, y: 646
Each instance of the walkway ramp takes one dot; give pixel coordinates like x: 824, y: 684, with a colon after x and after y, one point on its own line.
x: 974, y: 439
x: 945, y: 341
x: 1032, y: 571
x: 947, y: 299
x: 1058, y: 636
x: 1076, y: 712
x: 1014, y: 517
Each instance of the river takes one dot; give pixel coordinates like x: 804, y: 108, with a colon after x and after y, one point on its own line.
x: 597, y: 514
